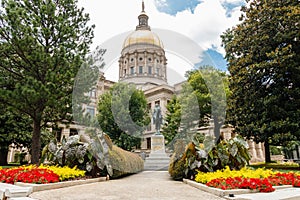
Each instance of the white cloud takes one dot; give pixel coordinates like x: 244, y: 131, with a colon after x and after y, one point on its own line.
x: 204, y: 25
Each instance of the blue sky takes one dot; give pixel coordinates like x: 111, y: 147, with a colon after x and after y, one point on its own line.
x: 172, y: 7
x: 202, y: 21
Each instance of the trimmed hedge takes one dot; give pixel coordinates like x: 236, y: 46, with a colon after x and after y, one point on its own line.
x: 124, y: 162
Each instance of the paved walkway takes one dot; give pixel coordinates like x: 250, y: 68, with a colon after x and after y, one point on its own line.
x: 147, y: 185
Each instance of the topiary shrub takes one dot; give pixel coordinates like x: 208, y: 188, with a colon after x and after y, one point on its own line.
x: 179, y: 161
x: 124, y: 162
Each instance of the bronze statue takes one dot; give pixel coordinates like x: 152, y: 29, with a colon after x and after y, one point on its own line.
x: 157, y: 118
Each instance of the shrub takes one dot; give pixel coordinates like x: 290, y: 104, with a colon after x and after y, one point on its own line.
x: 124, y: 162
x: 178, y: 165
x: 93, y: 152
x: 208, y: 157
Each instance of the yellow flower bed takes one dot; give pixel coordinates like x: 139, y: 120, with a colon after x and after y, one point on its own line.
x: 245, y: 172
x: 64, y: 173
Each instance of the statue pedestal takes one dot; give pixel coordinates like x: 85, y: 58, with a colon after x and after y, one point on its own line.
x: 158, y: 144
x: 158, y: 159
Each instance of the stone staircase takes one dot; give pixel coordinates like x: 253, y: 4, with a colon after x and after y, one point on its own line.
x: 158, y: 160
x: 13, y: 192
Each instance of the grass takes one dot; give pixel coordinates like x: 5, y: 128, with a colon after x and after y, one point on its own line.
x: 282, y: 167
x: 10, y: 165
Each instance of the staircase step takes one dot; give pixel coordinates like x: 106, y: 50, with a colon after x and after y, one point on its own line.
x: 10, y: 191
x: 20, y: 198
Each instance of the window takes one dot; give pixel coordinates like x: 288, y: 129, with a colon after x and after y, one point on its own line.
x: 131, y: 70
x: 90, y: 111
x: 149, y: 59
x: 157, y: 102
x: 58, y: 132
x: 140, y: 69
x: 92, y: 93
x: 124, y: 72
x: 73, y: 131
x: 149, y: 70
x: 157, y: 71
x: 140, y: 58
x: 148, y: 143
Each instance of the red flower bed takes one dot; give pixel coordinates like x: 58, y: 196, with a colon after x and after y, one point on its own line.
x: 260, y: 184
x: 33, y: 175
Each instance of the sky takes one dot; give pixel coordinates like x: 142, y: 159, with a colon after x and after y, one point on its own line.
x: 200, y: 22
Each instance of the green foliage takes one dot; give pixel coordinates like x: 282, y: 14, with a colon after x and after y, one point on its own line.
x: 263, y: 53
x: 14, y: 128
x: 88, y: 152
x: 210, y: 86
x: 95, y: 153
x: 123, y: 115
x: 42, y: 46
x: 208, y: 157
x: 177, y: 165
x: 275, y: 150
x: 171, y: 120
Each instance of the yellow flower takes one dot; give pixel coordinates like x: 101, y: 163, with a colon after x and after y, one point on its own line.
x: 65, y: 172
x: 245, y: 172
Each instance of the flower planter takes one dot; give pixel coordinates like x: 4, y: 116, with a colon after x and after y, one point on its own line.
x: 222, y: 193
x: 50, y: 186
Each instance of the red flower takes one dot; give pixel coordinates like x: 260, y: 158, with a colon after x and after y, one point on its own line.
x: 34, y: 175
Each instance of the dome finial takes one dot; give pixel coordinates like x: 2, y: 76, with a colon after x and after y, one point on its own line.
x: 143, y: 6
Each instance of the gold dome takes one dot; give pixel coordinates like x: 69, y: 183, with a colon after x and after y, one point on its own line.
x: 142, y: 37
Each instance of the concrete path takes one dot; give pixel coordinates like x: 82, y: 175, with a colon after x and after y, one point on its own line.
x: 147, y: 185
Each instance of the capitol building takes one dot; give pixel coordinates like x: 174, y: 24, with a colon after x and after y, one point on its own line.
x: 143, y: 62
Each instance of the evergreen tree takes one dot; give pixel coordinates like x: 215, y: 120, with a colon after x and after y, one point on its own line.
x: 172, y: 120
x: 263, y: 53
x: 42, y: 45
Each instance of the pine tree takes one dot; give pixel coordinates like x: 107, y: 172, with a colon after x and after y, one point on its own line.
x: 42, y: 46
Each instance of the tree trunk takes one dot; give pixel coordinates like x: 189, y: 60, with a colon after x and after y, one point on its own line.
x: 3, y: 155
x: 267, y: 152
x: 217, y: 127
x: 36, y: 141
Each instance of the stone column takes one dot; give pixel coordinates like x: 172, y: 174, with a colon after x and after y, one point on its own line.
x: 252, y: 150
x: 259, y: 152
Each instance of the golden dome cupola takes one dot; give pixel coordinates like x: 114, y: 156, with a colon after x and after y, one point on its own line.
x: 143, y: 59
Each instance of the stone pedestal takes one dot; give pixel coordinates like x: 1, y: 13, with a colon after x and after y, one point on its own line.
x: 158, y: 159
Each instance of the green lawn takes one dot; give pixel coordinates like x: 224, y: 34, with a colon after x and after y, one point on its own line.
x: 10, y: 165
x: 278, y: 166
